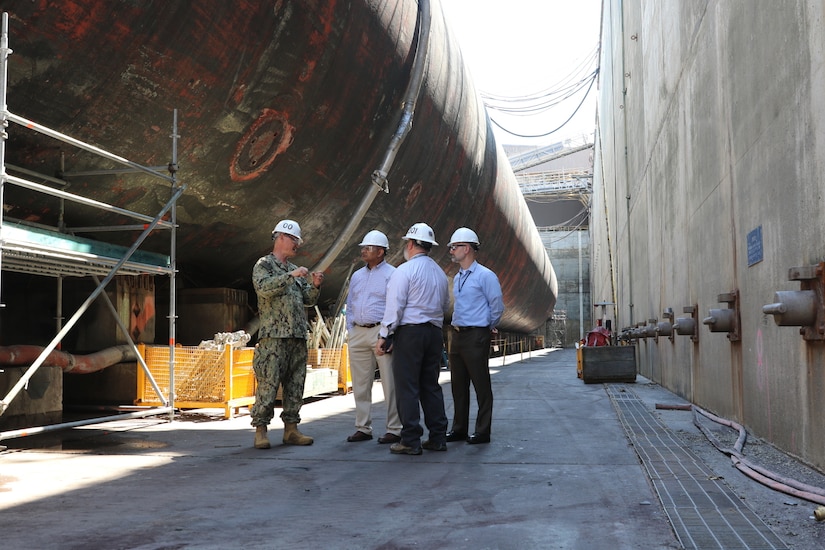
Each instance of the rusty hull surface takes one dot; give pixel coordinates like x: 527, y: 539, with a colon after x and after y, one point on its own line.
x: 285, y: 109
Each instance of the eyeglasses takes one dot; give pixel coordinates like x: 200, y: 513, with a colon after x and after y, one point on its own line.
x: 296, y: 240
x: 368, y: 248
x: 454, y: 246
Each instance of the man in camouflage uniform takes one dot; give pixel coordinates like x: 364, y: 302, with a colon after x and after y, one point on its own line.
x: 281, y: 353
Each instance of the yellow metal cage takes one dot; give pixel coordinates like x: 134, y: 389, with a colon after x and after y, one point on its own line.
x: 204, y: 378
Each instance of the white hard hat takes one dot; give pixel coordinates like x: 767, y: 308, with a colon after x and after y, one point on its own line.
x: 421, y: 232
x: 290, y: 227
x: 375, y: 238
x: 464, y: 235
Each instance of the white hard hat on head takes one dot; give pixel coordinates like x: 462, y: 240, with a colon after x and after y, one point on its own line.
x: 290, y: 227
x: 421, y: 232
x: 375, y: 238
x: 464, y: 235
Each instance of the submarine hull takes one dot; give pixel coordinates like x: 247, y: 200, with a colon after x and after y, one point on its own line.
x: 285, y: 109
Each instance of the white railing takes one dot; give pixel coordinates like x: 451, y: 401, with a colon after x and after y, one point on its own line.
x: 554, y: 181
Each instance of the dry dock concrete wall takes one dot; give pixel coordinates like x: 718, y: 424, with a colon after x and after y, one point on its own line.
x: 708, y: 191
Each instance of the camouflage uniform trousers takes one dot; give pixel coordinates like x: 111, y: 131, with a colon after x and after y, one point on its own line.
x: 284, y: 361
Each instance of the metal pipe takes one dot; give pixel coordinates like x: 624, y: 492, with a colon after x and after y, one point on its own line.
x: 581, y: 290
x: 54, y: 427
x: 5, y: 51
x: 379, y: 176
x: 627, y: 178
x: 31, y: 125
x: 32, y: 173
x: 59, y: 303
x: 81, y: 200
x: 173, y: 170
x: 110, y: 172
x: 67, y: 362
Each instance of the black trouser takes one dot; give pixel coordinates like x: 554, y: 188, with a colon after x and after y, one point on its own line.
x: 416, y: 363
x: 469, y: 362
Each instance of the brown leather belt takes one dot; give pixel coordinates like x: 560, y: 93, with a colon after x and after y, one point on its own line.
x: 367, y: 326
x: 460, y: 329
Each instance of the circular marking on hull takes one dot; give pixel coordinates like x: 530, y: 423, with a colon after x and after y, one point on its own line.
x: 268, y: 137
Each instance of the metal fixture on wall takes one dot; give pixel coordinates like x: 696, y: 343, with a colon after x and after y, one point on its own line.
x: 726, y: 320
x: 802, y: 308
x: 687, y: 326
x: 665, y: 328
x: 627, y: 334
x: 650, y: 329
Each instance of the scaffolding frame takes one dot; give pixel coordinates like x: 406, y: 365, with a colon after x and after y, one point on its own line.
x: 25, y: 256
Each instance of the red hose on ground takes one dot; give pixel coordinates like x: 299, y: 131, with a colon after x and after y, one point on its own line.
x: 740, y: 462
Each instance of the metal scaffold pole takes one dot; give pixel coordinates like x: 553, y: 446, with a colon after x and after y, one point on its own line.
x: 4, y: 121
x: 173, y: 169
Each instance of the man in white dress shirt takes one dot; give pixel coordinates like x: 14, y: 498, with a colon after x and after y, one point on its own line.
x: 366, y: 301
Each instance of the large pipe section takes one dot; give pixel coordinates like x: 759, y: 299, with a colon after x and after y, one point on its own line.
x: 22, y: 355
x: 286, y: 109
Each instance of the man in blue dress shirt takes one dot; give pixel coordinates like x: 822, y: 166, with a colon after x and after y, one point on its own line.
x: 476, y: 314
x: 417, y: 300
x: 366, y: 301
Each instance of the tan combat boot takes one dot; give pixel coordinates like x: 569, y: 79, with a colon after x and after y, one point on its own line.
x: 293, y: 437
x: 261, y: 441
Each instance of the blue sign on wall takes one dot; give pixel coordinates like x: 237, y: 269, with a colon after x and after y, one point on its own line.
x: 755, y: 246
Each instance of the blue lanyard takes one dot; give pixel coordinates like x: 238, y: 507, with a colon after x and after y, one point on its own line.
x: 464, y: 280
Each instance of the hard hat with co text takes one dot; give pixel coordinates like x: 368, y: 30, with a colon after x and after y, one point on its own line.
x: 421, y: 232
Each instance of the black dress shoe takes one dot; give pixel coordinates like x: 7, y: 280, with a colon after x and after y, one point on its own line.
x: 478, y: 438
x: 359, y: 436
x: 456, y: 436
x: 389, y: 438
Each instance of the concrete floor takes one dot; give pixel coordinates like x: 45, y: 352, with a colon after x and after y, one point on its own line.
x: 560, y: 472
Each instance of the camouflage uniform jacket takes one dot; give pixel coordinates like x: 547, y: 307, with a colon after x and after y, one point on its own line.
x: 281, y: 299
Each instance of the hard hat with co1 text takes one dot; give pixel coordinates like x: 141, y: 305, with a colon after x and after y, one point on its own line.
x: 421, y: 232
x: 375, y: 238
x: 290, y: 227
x: 464, y: 235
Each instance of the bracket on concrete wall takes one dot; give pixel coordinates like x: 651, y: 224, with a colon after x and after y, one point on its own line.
x: 688, y: 326
x: 726, y: 320
x: 665, y: 328
x: 803, y: 308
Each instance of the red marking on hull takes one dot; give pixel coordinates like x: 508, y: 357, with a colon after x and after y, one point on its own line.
x: 267, y: 138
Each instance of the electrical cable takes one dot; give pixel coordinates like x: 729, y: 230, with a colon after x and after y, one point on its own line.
x: 589, y: 88
x: 580, y: 79
x: 529, y: 110
x: 587, y: 66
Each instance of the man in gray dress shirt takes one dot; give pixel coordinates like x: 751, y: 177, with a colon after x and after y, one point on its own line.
x: 417, y: 299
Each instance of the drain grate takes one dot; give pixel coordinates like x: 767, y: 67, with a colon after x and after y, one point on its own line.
x: 704, y: 512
